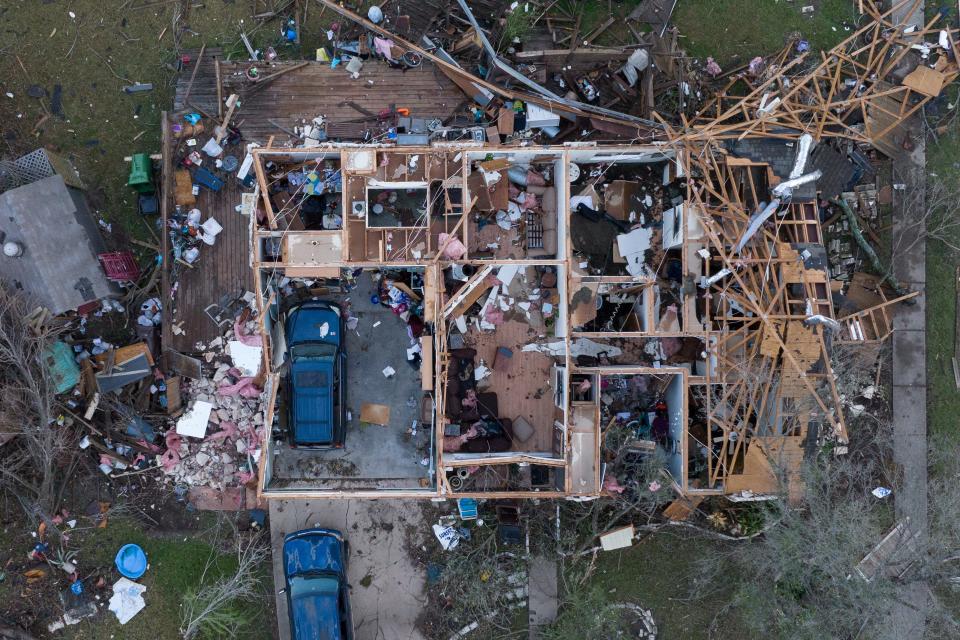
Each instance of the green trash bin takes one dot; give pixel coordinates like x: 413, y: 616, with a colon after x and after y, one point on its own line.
x: 141, y: 173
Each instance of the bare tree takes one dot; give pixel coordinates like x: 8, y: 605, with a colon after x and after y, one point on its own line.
x: 36, y: 461
x: 807, y: 576
x: 931, y: 205
x: 219, y: 610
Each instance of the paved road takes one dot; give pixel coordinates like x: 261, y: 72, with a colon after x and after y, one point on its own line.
x: 388, y: 607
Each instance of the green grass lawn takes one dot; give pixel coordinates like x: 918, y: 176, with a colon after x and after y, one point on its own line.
x: 175, y: 565
x: 735, y: 31
x: 943, y: 399
x: 657, y: 574
x: 732, y: 31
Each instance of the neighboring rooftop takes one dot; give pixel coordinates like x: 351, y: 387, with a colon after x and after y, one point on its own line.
x: 59, y: 241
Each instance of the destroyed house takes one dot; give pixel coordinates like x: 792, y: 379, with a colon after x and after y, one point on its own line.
x: 516, y: 312
x: 543, y: 296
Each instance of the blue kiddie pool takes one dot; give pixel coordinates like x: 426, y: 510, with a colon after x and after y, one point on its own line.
x: 131, y: 561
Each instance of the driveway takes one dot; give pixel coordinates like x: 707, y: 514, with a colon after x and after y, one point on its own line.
x: 385, y: 609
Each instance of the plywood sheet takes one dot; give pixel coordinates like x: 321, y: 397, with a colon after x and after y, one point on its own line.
x: 375, y: 413
x: 313, y: 248
x: 682, y: 508
x: 925, y: 80
x: 583, y: 302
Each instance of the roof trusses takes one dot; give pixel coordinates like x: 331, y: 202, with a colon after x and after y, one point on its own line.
x: 772, y: 365
x: 852, y: 92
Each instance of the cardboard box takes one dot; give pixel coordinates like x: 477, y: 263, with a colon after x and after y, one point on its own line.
x: 618, y: 198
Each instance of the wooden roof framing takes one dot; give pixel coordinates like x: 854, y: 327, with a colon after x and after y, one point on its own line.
x: 851, y: 84
x: 773, y: 370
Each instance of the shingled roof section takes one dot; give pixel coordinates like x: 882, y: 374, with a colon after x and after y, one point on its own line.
x: 58, y: 267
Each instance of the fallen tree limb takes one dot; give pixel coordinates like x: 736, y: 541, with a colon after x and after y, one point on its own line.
x: 875, y: 262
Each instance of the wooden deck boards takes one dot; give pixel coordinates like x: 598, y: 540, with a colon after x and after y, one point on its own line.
x: 317, y: 90
x: 222, y: 270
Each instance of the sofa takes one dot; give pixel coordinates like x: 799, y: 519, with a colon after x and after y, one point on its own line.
x: 457, y: 388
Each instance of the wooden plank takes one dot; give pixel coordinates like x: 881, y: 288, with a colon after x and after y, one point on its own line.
x: 174, y: 400
x: 426, y: 366
x: 166, y: 195
x: 193, y: 76
x: 599, y: 31
x: 216, y: 65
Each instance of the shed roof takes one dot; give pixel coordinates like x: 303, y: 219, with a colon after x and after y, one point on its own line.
x: 59, y: 265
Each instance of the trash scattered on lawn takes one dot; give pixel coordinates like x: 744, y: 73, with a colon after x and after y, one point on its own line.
x: 127, y: 600
x: 448, y: 536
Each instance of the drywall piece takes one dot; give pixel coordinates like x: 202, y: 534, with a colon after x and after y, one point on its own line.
x: 617, y: 539
x: 673, y: 223
x: 194, y: 422
x: 507, y: 273
x: 583, y: 461
x: 632, y: 248
x: 246, y: 358
x: 361, y: 162
x: 581, y: 347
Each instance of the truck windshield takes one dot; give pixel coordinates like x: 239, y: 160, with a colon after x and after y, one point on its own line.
x: 321, y: 585
x: 313, y: 350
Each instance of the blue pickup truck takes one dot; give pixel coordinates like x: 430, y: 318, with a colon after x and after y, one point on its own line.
x: 315, y: 382
x: 318, y: 596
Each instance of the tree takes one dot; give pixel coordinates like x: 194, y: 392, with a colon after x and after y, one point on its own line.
x: 479, y: 587
x: 932, y: 204
x: 38, y: 457
x: 804, y: 577
x: 587, y: 613
x: 221, y: 609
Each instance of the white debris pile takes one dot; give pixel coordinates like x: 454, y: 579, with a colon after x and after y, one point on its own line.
x: 216, y: 442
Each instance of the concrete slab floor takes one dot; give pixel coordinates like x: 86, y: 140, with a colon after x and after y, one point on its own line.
x: 388, y: 607
x: 373, y: 456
